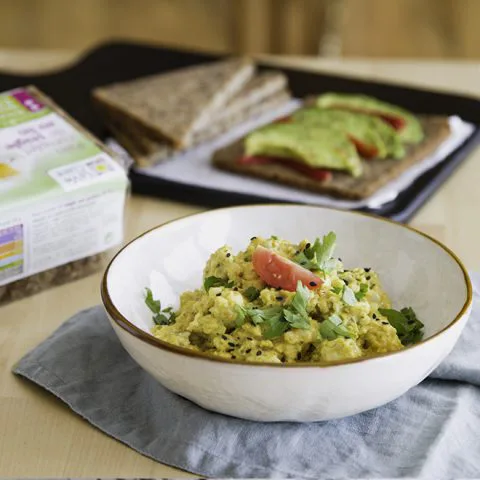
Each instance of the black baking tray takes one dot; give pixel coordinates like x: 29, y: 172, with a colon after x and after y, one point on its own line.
x: 117, y: 61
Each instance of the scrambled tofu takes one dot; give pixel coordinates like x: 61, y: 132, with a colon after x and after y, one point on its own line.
x: 237, y: 314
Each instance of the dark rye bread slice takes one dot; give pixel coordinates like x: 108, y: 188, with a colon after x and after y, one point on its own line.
x: 170, y: 106
x: 261, y: 87
x: 147, y: 152
x: 376, y: 172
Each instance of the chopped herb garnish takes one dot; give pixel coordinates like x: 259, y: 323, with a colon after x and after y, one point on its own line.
x: 333, y: 327
x: 362, y: 292
x: 277, y: 320
x: 319, y: 255
x: 337, y: 290
x: 348, y: 296
x: 160, y: 317
x: 210, y: 282
x: 251, y: 293
x: 276, y: 327
x: 154, y: 305
x: 274, y: 237
x: 240, y: 320
x: 409, y: 328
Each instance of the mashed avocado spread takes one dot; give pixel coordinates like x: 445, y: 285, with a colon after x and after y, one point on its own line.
x: 314, y: 145
x: 285, y: 303
x: 410, y: 130
x: 368, y: 129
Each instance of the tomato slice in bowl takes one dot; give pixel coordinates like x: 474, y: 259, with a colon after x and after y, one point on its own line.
x: 280, y: 272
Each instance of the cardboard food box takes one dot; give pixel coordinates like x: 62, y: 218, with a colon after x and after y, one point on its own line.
x: 62, y: 196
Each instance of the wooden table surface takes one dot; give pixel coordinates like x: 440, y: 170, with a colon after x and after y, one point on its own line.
x: 41, y: 437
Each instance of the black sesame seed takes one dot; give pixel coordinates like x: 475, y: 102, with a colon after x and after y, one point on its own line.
x: 308, y: 245
x: 235, y: 289
x: 297, y: 252
x: 249, y: 338
x: 279, y: 298
x: 248, y: 350
x: 346, y: 282
x: 313, y: 284
x: 228, y: 254
x: 224, y: 337
x: 219, y: 294
x: 384, y: 323
x: 339, y: 259
x: 230, y: 350
x: 367, y: 269
x: 231, y: 344
x: 368, y: 277
x: 234, y: 357
x: 374, y: 316
x: 259, y: 352
x: 253, y: 238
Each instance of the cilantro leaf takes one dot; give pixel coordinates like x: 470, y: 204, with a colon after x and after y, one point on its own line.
x: 319, y: 255
x: 276, y: 327
x: 300, y: 299
x: 333, y: 327
x: 348, y: 296
x: 153, y: 305
x: 337, y: 290
x: 362, y: 292
x: 278, y: 319
x: 164, y: 319
x: 409, y: 328
x: 160, y: 317
x: 296, y: 320
x: 258, y: 316
x: 251, y: 293
x: 210, y: 282
x: 241, y: 314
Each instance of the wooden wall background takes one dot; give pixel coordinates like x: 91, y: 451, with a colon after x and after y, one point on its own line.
x: 379, y: 28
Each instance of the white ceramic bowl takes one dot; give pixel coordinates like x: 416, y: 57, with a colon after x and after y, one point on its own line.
x: 415, y: 269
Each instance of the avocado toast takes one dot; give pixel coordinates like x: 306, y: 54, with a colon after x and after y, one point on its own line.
x: 381, y: 150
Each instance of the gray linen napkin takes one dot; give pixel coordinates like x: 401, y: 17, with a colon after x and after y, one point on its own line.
x: 433, y: 431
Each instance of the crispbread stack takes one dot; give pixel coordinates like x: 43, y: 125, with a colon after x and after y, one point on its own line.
x: 156, y: 116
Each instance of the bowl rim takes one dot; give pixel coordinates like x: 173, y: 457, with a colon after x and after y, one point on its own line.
x: 132, y: 329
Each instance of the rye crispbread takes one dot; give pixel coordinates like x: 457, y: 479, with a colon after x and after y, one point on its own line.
x: 171, y: 106
x: 376, y: 172
x: 147, y: 152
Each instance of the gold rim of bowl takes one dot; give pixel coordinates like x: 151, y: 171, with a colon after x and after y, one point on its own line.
x: 129, y: 327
